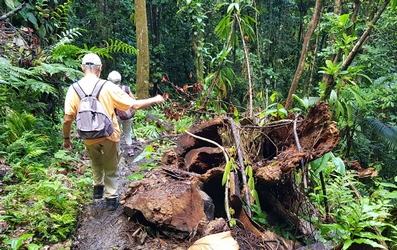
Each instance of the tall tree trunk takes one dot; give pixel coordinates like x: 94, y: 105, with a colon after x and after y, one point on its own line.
x: 142, y: 40
x: 247, y: 61
x: 312, y: 26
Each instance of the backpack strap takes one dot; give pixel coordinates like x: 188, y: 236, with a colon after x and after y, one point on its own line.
x: 95, y: 92
x: 80, y: 92
x: 98, y: 87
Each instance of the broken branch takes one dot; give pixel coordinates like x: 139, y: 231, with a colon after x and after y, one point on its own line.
x: 241, y: 160
x: 12, y: 12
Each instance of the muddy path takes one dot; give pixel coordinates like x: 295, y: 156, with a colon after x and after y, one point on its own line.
x: 98, y: 228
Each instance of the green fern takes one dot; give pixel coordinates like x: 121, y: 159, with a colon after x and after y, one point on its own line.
x: 17, y: 124
x: 10, y: 74
x: 28, y: 79
x: 68, y: 36
x: 113, y: 46
x: 59, y: 71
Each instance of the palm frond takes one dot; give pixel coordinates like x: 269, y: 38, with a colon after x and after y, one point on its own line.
x: 380, y: 132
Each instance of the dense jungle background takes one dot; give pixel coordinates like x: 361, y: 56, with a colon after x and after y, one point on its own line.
x: 265, y: 62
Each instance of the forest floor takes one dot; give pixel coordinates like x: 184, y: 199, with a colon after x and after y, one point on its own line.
x: 101, y: 229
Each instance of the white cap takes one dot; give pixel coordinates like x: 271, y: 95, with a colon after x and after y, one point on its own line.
x: 91, y: 59
x: 114, y: 77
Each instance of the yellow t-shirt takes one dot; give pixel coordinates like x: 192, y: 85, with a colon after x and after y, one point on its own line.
x: 111, y: 96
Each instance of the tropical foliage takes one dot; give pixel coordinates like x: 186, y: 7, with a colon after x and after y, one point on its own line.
x: 236, y: 58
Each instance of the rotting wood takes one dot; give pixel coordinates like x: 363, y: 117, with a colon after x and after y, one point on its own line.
x: 200, y: 160
x: 227, y: 160
x: 171, y: 205
x: 273, y: 172
x: 209, y: 129
x: 272, y: 240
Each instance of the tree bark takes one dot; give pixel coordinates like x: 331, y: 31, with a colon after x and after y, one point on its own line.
x: 142, y: 38
x: 312, y: 26
x: 246, y: 57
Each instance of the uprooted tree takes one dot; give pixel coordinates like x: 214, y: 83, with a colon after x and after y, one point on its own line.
x: 220, y: 168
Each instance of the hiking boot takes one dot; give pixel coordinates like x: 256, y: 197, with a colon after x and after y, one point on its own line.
x: 98, y: 191
x: 130, y: 150
x: 112, y: 203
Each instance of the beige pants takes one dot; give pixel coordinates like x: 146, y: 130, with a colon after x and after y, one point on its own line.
x: 105, y: 156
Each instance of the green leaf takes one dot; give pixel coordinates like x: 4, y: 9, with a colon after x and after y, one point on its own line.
x: 367, y: 242
x: 33, y: 246
x: 329, y: 64
x: 369, y: 235
x: 251, y: 183
x: 31, y: 18
x: 10, y: 4
x: 248, y: 171
x: 254, y: 194
x: 2, y: 217
x: 273, y: 97
x: 226, y: 173
x: 141, y: 156
x: 388, y: 184
x: 359, y: 100
x: 319, y: 164
x: 393, y: 4
x: 350, y: 121
x: 343, y: 19
x: 339, y: 164
x: 135, y: 177
x: 392, y: 195
x: 26, y: 236
x: 347, y: 244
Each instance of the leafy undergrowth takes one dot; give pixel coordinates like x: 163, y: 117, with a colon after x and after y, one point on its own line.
x: 45, y: 189
x: 46, y: 192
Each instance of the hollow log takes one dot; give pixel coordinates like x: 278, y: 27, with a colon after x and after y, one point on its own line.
x: 179, y: 196
x: 200, y: 160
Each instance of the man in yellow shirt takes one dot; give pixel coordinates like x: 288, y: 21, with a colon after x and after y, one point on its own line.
x: 103, y: 152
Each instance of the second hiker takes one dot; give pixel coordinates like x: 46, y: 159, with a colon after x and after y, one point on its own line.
x: 124, y: 118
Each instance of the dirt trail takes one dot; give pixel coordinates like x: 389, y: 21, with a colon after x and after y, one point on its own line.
x: 101, y: 229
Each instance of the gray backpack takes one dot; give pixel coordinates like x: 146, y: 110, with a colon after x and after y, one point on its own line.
x: 92, y: 121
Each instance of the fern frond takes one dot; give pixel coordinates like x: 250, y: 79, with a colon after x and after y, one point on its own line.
x: 383, y: 133
x: 68, y: 36
x: 18, y: 123
x: 12, y: 74
x: 41, y: 87
x: 119, y: 46
x: 60, y: 15
x: 66, y: 54
x: 61, y: 69
x: 114, y: 46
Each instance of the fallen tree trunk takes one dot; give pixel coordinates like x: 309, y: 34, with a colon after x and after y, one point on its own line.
x: 186, y: 194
